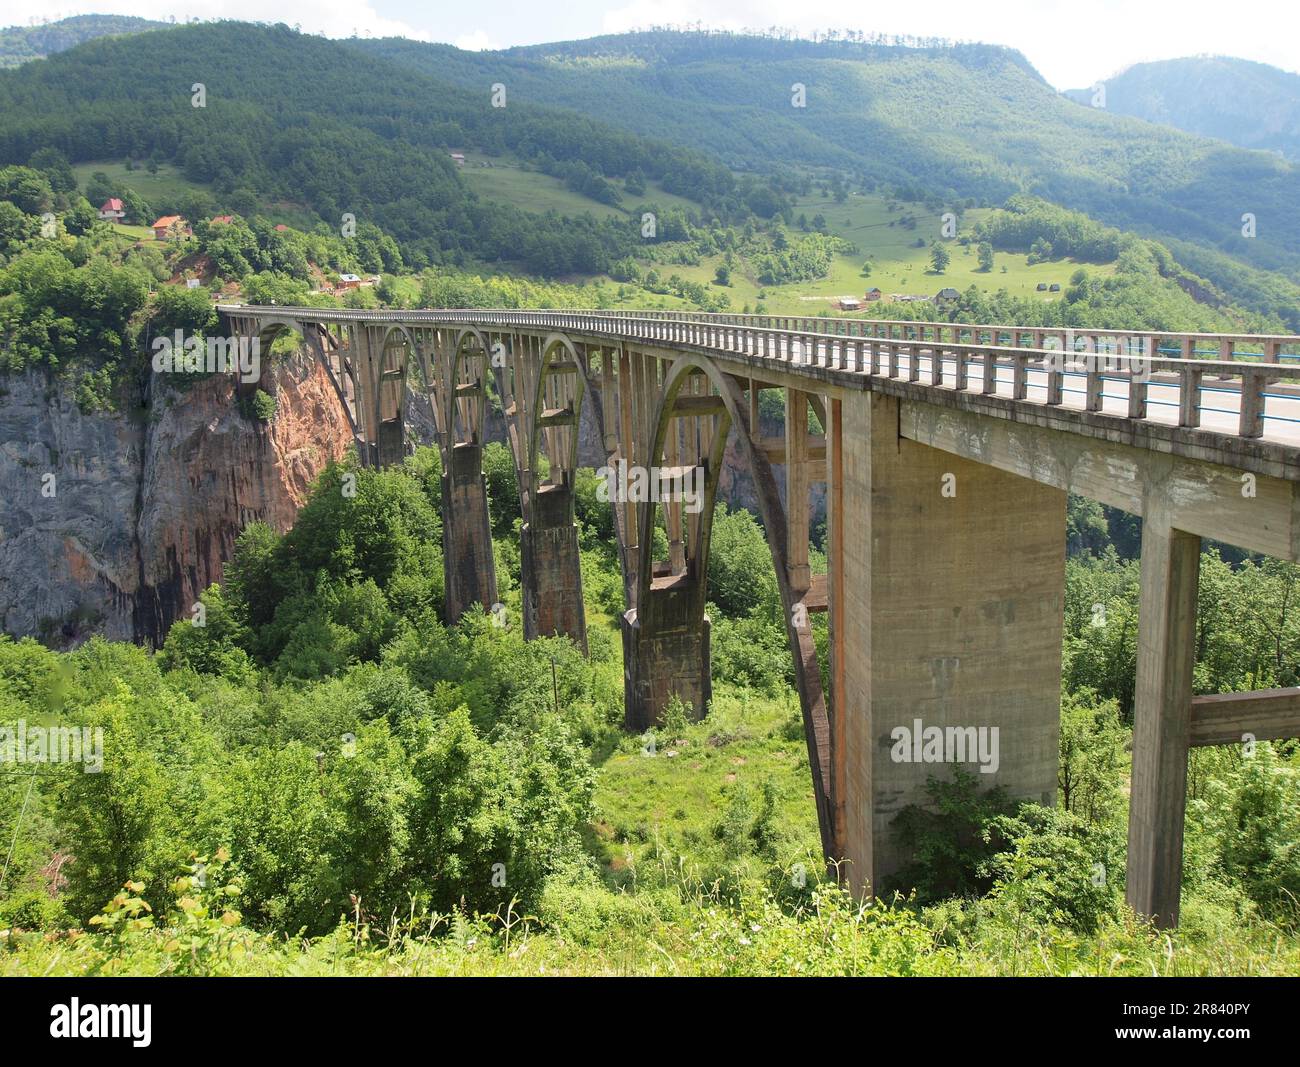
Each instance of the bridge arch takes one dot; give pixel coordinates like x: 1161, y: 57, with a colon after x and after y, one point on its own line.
x: 554, y: 417
x: 551, y: 571
x: 469, y: 569
x: 396, y: 350
x: 466, y: 388
x: 666, y: 628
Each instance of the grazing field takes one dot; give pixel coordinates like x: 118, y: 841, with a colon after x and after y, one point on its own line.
x: 885, y: 232
x: 168, y: 183
x: 898, y: 264
x: 505, y: 181
x: 685, y: 794
x: 138, y: 233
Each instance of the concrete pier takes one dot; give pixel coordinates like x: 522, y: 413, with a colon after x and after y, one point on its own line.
x: 951, y: 577
x: 469, y: 570
x: 551, y: 570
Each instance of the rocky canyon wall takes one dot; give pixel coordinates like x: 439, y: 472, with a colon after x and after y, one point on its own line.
x: 114, y: 523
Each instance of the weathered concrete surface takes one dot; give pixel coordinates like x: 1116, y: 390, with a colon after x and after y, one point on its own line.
x: 551, y: 572
x: 952, y: 614
x: 391, y: 443
x: 1254, y: 511
x: 1162, y: 713
x: 468, y: 567
x: 663, y: 662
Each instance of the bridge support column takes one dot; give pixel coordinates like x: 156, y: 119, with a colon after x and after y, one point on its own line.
x: 550, y: 570
x: 665, y: 660
x: 469, y: 570
x: 391, y: 446
x: 1162, y: 716
x: 948, y: 586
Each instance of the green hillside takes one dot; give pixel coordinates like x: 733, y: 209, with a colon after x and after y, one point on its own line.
x: 166, y: 184
x: 970, y: 123
x: 541, y: 190
x: 1252, y: 105
x: 898, y: 264
x: 290, y: 117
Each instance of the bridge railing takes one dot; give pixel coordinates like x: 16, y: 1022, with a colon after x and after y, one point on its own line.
x: 1050, y: 373
x: 1040, y: 369
x: 1266, y: 348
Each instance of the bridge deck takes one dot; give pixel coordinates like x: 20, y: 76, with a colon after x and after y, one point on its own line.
x: 1244, y: 413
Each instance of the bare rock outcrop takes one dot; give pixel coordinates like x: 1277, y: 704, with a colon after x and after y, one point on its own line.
x: 114, y: 523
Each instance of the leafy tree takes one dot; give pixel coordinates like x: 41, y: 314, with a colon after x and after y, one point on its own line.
x: 176, y: 307
x: 119, y: 823
x: 56, y: 168
x: 741, y: 576
x: 210, y: 642
x: 1092, y: 758
x: 26, y: 189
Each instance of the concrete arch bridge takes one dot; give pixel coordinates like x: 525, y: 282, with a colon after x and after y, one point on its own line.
x: 946, y: 451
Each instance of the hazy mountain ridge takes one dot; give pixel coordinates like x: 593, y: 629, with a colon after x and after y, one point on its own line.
x: 21, y: 44
x: 1252, y: 105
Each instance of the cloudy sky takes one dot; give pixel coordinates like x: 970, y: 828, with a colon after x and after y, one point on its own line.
x: 1072, y: 42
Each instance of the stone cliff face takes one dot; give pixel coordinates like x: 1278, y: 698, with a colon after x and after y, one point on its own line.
x: 114, y: 523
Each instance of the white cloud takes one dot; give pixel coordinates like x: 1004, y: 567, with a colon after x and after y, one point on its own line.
x: 478, y: 41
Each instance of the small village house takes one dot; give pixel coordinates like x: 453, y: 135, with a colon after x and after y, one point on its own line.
x: 849, y: 303
x: 112, y: 210
x: 348, y: 281
x: 170, y: 227
x: 873, y: 294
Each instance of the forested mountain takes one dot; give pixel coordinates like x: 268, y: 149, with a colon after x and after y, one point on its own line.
x: 970, y: 121
x: 1249, y: 104
x: 19, y: 44
x: 290, y: 116
x: 366, y: 128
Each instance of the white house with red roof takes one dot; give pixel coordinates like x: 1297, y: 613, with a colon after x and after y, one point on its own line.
x: 112, y: 210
